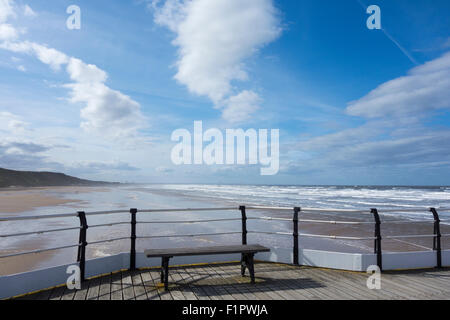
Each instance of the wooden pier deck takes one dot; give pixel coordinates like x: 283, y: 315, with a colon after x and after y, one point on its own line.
x: 273, y: 282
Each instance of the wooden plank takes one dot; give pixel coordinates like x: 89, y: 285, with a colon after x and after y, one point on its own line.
x: 187, y: 288
x: 216, y: 285
x: 351, y: 286
x: 281, y: 283
x: 236, y: 284
x: 156, y: 277
x: 94, y: 288
x: 68, y: 294
x: 344, y: 287
x: 42, y: 295
x: 303, y: 287
x: 196, y: 275
x: 127, y: 286
x: 149, y: 286
x: 138, y: 285
x: 225, y: 289
x: 116, y: 286
x: 274, y: 281
x: 82, y: 293
x: 175, y: 288
x: 173, y: 252
x: 359, y: 281
x: 105, y: 288
x: 272, y: 287
x: 57, y: 293
x: 420, y: 283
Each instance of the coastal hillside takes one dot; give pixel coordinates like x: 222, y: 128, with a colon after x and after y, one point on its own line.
x: 12, y: 178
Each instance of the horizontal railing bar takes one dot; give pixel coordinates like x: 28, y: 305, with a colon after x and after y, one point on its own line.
x: 408, y: 221
x: 39, y: 251
x: 189, y: 221
x: 109, y: 224
x: 275, y: 233
x: 187, y: 209
x: 61, y: 215
x: 406, y: 210
x: 109, y: 240
x: 48, y: 216
x: 336, y: 222
x: 334, y: 210
x: 445, y: 235
x: 268, y: 208
x: 188, y: 235
x: 410, y: 236
x: 95, y: 213
x: 335, y: 237
x: 269, y: 218
x: 36, y: 232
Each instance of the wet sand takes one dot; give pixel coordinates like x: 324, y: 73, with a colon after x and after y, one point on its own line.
x: 14, y: 201
x: 17, y: 200
x: 23, y: 263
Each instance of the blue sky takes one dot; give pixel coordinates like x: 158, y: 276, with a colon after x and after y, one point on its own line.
x: 353, y: 105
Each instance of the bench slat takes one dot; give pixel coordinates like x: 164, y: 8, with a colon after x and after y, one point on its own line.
x: 173, y: 252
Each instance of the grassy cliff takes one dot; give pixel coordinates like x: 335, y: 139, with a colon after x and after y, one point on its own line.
x: 10, y: 178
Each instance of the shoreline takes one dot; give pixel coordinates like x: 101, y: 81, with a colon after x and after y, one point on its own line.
x: 18, y: 200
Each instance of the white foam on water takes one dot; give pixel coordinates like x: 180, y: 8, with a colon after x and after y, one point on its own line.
x: 362, y: 198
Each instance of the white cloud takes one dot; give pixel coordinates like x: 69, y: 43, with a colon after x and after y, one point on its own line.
x: 28, y: 12
x: 7, y: 32
x: 214, y: 39
x: 22, y: 68
x: 240, y: 107
x: 6, y: 10
x: 426, y: 87
x: 107, y: 112
x: 12, y: 123
x: 85, y: 73
x: 49, y: 56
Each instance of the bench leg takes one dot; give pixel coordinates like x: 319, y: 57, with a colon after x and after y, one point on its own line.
x: 162, y: 270
x: 165, y: 272
x: 243, y: 264
x: 251, y: 267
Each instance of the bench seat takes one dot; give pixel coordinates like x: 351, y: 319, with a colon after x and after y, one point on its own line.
x: 247, y: 252
x: 202, y: 251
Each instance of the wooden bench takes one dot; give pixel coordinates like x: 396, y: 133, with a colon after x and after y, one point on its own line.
x: 247, y: 253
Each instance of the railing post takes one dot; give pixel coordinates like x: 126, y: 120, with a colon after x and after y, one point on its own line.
x: 437, y: 237
x: 81, y: 259
x: 296, y: 212
x: 244, y: 224
x: 133, y: 240
x: 377, y: 247
x: 244, y: 263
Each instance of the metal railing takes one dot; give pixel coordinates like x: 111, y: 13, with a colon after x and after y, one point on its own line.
x: 295, y: 234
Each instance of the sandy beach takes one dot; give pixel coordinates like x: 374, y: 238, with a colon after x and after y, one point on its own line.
x: 17, y: 201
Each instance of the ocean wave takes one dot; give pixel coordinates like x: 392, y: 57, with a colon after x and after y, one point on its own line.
x: 358, y: 197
